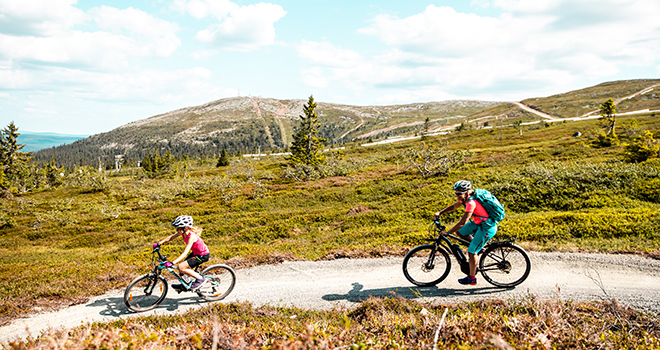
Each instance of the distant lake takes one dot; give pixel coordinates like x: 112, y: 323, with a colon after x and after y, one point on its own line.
x: 35, y: 141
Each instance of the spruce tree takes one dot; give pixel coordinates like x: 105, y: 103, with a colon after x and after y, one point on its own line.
x: 11, y: 157
x: 223, y: 160
x: 306, y: 145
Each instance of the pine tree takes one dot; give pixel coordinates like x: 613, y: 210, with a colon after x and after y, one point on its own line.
x: 11, y: 157
x: 306, y: 145
x: 608, y: 112
x: 12, y: 160
x: 223, y: 160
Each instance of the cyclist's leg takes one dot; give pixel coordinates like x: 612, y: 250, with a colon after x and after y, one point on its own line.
x: 484, y: 233
x: 185, y: 268
x: 468, y: 230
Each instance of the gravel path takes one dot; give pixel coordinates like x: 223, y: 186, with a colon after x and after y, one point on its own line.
x: 632, y: 280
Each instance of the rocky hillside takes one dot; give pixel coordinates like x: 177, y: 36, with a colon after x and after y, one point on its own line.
x: 245, y: 124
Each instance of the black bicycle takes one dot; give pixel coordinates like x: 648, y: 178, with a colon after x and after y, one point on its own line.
x: 502, y: 263
x: 147, y: 291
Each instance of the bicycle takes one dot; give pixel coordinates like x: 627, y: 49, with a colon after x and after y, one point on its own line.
x: 502, y: 263
x: 147, y: 291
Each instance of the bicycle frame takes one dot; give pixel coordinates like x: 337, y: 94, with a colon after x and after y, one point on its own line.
x: 453, y: 249
x: 158, y: 268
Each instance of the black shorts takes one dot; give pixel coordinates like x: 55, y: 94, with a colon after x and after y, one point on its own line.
x: 196, y: 260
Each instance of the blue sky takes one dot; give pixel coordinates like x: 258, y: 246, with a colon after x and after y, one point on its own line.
x: 88, y: 66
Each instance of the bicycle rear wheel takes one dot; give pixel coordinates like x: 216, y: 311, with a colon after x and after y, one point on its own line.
x: 426, y: 265
x: 145, y: 292
x: 504, y: 265
x: 221, y: 281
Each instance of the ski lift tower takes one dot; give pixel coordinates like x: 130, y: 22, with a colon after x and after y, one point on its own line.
x: 119, y: 158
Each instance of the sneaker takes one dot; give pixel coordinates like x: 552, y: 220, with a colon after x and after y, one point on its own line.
x: 178, y: 287
x: 468, y: 280
x: 198, y: 283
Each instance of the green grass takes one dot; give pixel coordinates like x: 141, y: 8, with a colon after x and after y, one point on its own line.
x: 579, y: 102
x: 61, y: 246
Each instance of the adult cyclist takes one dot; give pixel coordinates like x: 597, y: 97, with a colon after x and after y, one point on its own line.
x: 478, y: 231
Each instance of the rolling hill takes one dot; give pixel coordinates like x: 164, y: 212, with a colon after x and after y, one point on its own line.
x: 243, y: 124
x: 247, y: 124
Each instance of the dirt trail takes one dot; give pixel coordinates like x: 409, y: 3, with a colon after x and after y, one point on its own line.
x: 281, y: 110
x: 255, y: 102
x: 632, y: 280
x: 532, y: 110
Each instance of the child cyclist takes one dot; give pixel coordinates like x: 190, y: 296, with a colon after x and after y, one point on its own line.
x: 196, y: 251
x: 481, y: 227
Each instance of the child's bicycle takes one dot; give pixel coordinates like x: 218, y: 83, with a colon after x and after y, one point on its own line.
x: 502, y: 263
x: 147, y: 291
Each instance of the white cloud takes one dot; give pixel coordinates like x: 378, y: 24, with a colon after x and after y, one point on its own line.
x: 314, y: 77
x: 204, y: 8
x: 327, y: 54
x: 39, y: 111
x: 124, y: 36
x: 238, y: 28
x: 38, y: 17
x: 539, y: 43
x: 150, y: 35
x: 202, y: 55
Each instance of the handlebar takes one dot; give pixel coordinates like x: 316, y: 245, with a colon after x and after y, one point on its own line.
x: 438, y: 225
x: 161, y: 257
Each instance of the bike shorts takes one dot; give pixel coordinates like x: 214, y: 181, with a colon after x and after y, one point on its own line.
x: 196, y: 260
x: 482, y: 232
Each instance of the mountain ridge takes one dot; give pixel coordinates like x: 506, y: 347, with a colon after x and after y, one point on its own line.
x: 244, y: 124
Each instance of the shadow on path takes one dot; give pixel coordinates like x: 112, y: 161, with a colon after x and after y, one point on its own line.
x: 114, y: 306
x: 358, y: 294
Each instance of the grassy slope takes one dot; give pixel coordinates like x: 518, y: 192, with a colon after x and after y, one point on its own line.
x: 560, y: 194
x: 579, y: 102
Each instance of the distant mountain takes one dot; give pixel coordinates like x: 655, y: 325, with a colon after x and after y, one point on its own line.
x: 35, y: 141
x: 244, y: 124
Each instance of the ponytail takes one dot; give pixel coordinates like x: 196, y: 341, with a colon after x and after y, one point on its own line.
x: 197, y: 230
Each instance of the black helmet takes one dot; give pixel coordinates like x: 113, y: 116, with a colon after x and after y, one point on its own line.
x: 462, y: 186
x: 183, y: 221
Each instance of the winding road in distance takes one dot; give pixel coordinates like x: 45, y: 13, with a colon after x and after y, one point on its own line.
x: 631, y: 280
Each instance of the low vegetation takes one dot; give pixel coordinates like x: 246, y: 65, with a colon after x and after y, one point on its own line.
x: 91, y: 231
x: 388, y: 323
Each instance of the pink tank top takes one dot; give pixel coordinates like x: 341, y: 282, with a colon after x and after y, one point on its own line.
x: 479, y: 213
x: 198, y: 248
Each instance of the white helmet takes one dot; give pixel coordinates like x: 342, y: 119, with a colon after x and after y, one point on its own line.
x: 183, y: 221
x: 462, y: 186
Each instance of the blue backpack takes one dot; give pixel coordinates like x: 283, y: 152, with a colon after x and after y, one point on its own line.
x: 493, y: 207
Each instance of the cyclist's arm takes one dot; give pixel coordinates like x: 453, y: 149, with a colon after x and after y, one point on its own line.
x: 183, y: 256
x: 449, y: 209
x: 169, y: 238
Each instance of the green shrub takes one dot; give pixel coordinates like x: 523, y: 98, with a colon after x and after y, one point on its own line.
x: 604, y: 140
x: 572, y: 186
x: 643, y: 148
x: 6, y: 221
x: 599, y: 223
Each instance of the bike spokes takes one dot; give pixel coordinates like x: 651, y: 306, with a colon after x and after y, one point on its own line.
x: 504, y: 265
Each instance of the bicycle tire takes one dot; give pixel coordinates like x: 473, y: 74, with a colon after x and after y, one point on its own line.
x: 222, y: 280
x: 139, y: 298
x: 504, y: 265
x: 423, y: 266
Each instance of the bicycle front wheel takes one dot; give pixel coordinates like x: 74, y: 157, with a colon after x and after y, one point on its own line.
x: 221, y: 281
x: 505, y: 265
x: 145, y: 292
x: 426, y: 265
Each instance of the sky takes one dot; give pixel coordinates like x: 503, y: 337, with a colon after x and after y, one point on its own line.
x: 89, y: 66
